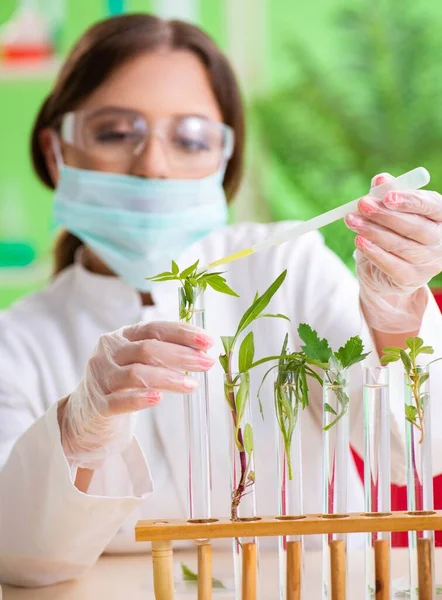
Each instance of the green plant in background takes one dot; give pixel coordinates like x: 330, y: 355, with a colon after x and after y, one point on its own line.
x: 377, y: 111
x: 237, y: 386
x: 414, y: 413
x: 192, y: 283
x: 334, y: 364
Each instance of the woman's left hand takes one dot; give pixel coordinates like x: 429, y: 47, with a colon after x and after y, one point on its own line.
x: 399, y: 250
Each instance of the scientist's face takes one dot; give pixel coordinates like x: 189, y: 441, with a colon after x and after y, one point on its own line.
x: 159, y: 89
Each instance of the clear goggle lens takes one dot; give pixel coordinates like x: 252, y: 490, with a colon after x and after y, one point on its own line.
x: 116, y: 136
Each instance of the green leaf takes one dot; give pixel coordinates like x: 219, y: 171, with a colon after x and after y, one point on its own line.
x: 175, y: 268
x: 423, y: 377
x: 277, y: 316
x: 251, y: 476
x: 410, y: 413
x: 241, y: 398
x: 314, y: 347
x: 389, y: 358
x: 219, y: 284
x: 248, y: 439
x: 246, y: 353
x: 351, y: 353
x: 414, y: 343
x: 261, y: 410
x: 227, y: 341
x: 186, y: 272
x: 189, y: 575
x: 189, y: 291
x: 329, y: 409
x: 161, y: 276
x: 260, y: 303
x: 391, y: 350
x: 317, y: 363
x: 426, y: 350
x: 406, y: 361
x: 224, y: 362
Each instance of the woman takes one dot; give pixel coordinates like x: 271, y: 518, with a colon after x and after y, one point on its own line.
x: 142, y: 140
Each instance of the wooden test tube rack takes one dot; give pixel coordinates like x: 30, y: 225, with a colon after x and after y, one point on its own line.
x: 162, y: 533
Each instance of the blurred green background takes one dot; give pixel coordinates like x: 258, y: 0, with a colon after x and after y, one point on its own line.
x: 337, y: 91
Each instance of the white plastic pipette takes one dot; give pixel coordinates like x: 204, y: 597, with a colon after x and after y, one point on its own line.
x: 413, y: 180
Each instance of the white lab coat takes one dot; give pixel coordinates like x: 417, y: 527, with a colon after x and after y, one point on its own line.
x: 49, y: 531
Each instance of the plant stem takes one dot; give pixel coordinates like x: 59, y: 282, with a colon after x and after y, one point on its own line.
x: 342, y: 398
x: 240, y: 489
x: 415, y: 388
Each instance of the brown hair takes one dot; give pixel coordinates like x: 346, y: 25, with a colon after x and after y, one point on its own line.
x: 106, y: 46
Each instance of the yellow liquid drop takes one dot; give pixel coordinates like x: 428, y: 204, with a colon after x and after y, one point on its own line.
x: 231, y: 257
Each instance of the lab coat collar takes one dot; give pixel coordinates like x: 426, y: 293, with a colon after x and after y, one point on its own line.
x: 115, y: 302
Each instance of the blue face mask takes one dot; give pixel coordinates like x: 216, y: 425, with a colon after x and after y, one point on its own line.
x: 137, y: 226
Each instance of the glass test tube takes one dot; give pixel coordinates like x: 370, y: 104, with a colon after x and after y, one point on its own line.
x: 289, y: 465
x: 336, y: 455
x: 377, y: 461
x: 199, y: 481
x: 419, y: 465
x: 242, y: 464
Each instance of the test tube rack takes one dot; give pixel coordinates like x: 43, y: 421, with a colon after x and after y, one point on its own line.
x: 161, y: 534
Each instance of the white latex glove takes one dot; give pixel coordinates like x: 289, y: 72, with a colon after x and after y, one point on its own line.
x: 126, y: 373
x: 399, y: 251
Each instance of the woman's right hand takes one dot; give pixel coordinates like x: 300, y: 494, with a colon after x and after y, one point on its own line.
x: 126, y: 373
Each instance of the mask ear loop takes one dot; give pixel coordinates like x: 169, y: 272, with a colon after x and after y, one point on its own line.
x: 57, y: 150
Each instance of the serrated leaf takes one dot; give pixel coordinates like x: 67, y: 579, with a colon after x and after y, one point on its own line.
x: 186, y: 272
x: 351, y: 353
x: 246, y: 353
x: 248, y: 439
x: 314, y: 347
x: 175, y: 268
x: 260, y: 303
x: 219, y: 285
x: 329, y: 409
x: 406, y: 361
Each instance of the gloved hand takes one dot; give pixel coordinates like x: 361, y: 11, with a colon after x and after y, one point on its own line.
x: 126, y: 373
x: 399, y: 249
